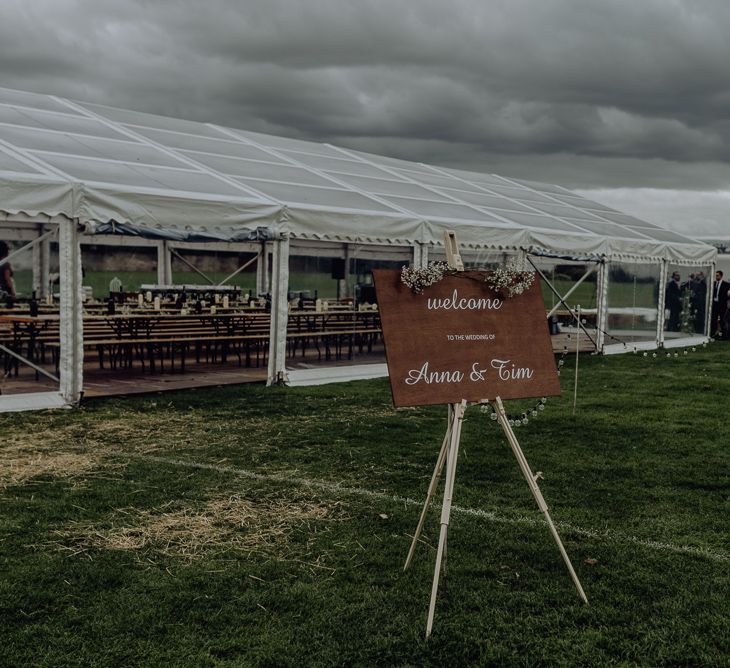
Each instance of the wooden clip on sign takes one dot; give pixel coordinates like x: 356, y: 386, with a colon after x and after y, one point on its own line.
x: 456, y: 342
x: 451, y: 246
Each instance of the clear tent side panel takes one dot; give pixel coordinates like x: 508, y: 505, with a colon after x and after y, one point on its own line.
x: 333, y: 317
x: 686, y: 303
x: 570, y: 287
x: 110, y: 269
x: 313, y: 277
x: 30, y: 319
x: 632, y: 303
x: 203, y: 266
x: 160, y: 314
x: 128, y: 264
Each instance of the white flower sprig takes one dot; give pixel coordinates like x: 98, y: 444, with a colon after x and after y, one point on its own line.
x: 511, y: 279
x: 418, y: 279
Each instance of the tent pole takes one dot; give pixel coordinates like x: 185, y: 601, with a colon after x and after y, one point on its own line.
x: 37, y: 262
x: 708, y: 300
x: 420, y: 255
x: 279, y: 312
x: 602, y: 305
x: 45, y: 277
x: 164, y: 263
x: 663, y: 276
x: 259, y: 269
x: 161, y: 263
x: 342, y: 284
x: 71, y: 324
x: 262, y: 270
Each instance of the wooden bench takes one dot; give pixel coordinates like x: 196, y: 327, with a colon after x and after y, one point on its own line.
x: 157, y: 342
x: 123, y: 352
x: 333, y: 339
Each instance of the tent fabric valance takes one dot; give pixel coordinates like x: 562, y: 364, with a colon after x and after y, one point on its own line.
x: 176, y: 217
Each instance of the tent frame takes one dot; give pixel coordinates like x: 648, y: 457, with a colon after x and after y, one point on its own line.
x: 70, y: 325
x: 272, y: 276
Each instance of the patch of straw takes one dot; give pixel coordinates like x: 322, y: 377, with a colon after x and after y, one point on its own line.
x: 64, y: 451
x: 18, y: 464
x: 230, y: 523
x: 149, y: 432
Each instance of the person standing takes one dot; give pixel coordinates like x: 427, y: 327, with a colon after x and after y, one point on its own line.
x: 719, y: 305
x: 7, y: 285
x: 698, y: 302
x: 673, y: 302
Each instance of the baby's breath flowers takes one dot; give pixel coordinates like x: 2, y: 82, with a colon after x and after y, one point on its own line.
x: 511, y: 279
x: 418, y: 279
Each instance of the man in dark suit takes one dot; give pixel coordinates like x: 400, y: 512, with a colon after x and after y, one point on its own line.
x: 719, y: 305
x: 698, y: 301
x: 673, y: 302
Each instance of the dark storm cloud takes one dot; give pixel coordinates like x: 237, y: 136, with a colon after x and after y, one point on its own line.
x: 586, y: 93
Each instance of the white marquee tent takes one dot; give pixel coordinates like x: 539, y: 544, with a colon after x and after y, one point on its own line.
x: 84, y: 170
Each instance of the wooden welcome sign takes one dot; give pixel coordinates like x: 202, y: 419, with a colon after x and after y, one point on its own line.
x: 459, y: 339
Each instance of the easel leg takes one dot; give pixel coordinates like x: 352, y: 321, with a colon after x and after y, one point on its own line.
x: 446, y: 508
x: 532, y: 483
x: 577, y: 357
x: 432, y: 486
x: 445, y: 547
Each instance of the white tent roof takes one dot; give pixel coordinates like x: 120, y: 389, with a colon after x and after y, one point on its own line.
x: 136, y: 173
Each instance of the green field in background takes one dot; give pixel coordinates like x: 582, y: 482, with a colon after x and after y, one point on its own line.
x: 620, y: 294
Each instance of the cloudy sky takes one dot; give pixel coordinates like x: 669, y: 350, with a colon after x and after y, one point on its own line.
x: 626, y: 101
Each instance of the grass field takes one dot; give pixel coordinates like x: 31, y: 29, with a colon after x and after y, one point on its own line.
x: 268, y: 527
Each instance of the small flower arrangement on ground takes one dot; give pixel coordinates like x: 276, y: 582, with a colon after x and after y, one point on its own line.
x: 509, y: 281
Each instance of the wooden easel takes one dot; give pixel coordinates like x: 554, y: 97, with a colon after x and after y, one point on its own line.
x: 448, y: 457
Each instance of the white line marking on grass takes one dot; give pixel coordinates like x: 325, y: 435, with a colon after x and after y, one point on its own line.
x: 606, y: 534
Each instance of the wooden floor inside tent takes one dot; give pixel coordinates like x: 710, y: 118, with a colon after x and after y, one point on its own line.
x: 97, y: 385
x: 128, y: 381
x: 104, y: 383
x: 565, y: 342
